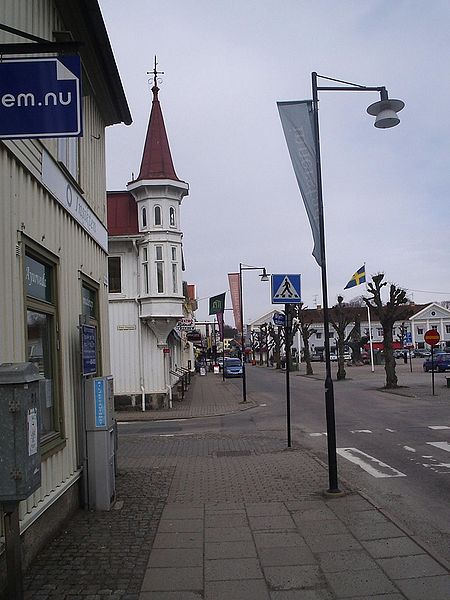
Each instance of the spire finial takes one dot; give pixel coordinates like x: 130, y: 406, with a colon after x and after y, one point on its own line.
x: 155, y: 72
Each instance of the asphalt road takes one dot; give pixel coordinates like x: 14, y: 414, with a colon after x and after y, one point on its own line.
x: 394, y: 448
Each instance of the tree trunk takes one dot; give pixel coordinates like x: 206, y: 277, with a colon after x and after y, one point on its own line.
x: 307, y: 355
x: 341, y: 363
x: 389, y: 364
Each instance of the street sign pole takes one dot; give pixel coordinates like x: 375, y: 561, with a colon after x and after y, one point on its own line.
x: 287, y: 342
x: 432, y: 369
x: 432, y: 338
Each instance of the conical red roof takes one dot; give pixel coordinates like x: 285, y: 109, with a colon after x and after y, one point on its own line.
x: 156, y: 159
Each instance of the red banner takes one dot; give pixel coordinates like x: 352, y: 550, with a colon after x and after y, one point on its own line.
x: 235, y: 292
x: 220, y: 324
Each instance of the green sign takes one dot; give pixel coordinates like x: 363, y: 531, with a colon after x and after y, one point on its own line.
x: 217, y: 304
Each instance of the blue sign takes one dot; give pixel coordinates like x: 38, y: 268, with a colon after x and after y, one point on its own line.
x: 89, y: 349
x: 279, y: 319
x: 286, y: 289
x: 407, y: 338
x: 40, y: 97
x: 100, y: 403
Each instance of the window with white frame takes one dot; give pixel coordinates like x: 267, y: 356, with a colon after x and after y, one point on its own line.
x: 174, y: 270
x: 68, y: 155
x: 114, y: 274
x: 159, y: 269
x: 318, y: 335
x: 172, y: 221
x: 379, y: 331
x: 157, y: 215
x: 447, y: 329
x: 420, y: 331
x: 144, y: 217
x: 145, y: 269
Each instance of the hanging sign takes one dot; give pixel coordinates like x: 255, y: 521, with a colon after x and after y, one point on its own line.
x: 40, y: 97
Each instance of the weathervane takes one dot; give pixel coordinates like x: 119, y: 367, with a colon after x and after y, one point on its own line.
x: 155, y: 74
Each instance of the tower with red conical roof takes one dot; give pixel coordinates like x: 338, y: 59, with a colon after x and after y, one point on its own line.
x: 152, y: 264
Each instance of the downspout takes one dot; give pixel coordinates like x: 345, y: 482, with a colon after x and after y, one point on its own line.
x: 141, y: 354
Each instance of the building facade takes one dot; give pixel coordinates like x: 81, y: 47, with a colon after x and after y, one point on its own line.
x: 54, y: 253
x: 147, y: 296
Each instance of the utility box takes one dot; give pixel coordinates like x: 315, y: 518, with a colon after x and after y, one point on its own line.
x: 100, y: 442
x: 20, y: 457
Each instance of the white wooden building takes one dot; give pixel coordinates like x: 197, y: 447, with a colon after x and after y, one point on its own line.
x: 147, y: 295
x: 53, y: 261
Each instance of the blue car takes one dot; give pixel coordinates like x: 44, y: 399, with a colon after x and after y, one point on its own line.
x: 441, y: 362
x: 232, y: 367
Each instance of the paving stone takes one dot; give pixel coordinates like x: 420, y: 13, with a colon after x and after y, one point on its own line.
x: 338, y: 541
x: 293, y: 577
x: 312, y: 528
x: 401, y: 546
x: 346, y: 560
x: 302, y: 595
x: 426, y: 588
x: 178, y: 511
x: 255, y: 589
x: 226, y: 520
x: 173, y: 579
x: 233, y: 568
x: 170, y: 596
x: 180, y: 525
x: 176, y: 557
x: 271, y: 522
x: 228, y: 534
x: 271, y: 539
x: 230, y: 550
x: 362, y: 583
x: 376, y: 531
x: 293, y: 555
x: 407, y: 567
x: 178, y: 540
x: 266, y: 508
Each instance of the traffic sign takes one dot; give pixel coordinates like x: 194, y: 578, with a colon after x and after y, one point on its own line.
x: 286, y: 289
x: 407, y: 338
x: 432, y: 337
x: 279, y: 319
x: 40, y: 97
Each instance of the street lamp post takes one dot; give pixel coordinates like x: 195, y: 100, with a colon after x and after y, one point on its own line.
x: 264, y: 277
x: 385, y: 111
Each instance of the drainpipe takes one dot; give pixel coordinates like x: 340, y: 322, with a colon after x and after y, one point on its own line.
x: 141, y: 354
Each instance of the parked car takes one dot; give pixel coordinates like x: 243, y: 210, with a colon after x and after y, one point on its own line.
x: 333, y: 357
x: 441, y: 362
x: 232, y: 367
x: 422, y: 353
x: 316, y: 357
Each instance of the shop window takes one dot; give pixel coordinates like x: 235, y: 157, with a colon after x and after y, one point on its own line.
x: 42, y: 340
x: 115, y: 274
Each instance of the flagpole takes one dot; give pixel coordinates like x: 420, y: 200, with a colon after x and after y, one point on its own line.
x: 372, y: 367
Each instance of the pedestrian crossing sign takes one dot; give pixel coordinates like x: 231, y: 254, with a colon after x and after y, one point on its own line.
x: 286, y: 289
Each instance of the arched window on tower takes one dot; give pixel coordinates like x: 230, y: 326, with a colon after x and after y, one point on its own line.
x: 158, y: 215
x: 172, y: 216
x: 144, y: 218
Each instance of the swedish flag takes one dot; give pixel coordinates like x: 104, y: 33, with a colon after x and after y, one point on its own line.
x: 357, y: 278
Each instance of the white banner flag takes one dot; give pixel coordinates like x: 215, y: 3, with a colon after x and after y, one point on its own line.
x: 298, y: 127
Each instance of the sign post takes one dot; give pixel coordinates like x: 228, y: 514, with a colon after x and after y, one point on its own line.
x: 286, y: 289
x: 432, y: 338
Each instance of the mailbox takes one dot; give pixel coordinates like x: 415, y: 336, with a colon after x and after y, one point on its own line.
x: 20, y: 457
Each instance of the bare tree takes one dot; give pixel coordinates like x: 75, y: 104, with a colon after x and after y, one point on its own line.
x: 304, y: 325
x: 397, y: 308
x: 339, y: 318
x: 276, y: 333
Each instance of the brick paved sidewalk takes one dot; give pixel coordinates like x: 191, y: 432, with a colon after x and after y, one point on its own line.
x: 206, y: 396
x: 232, y: 516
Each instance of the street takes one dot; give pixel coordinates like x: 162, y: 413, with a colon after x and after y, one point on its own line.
x: 392, y: 447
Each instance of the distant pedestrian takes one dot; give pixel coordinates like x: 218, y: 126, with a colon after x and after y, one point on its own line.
x: 405, y: 358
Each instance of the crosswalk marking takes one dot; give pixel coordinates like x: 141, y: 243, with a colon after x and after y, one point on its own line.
x: 368, y: 463
x: 442, y: 445
x: 438, y: 427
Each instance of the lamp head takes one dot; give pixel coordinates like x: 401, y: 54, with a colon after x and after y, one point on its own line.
x: 385, y: 112
x: 264, y: 276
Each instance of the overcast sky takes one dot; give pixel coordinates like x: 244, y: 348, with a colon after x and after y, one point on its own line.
x: 226, y: 63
